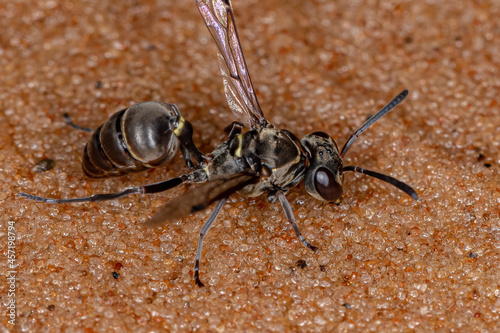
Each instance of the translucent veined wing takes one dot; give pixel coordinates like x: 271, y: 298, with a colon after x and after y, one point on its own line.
x: 240, y: 95
x: 199, y: 197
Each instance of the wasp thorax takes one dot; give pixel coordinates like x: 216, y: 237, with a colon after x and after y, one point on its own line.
x: 323, y: 178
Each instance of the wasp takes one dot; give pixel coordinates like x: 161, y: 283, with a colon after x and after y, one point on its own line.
x: 262, y: 160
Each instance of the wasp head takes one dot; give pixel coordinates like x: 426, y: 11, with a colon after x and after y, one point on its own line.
x: 323, y: 177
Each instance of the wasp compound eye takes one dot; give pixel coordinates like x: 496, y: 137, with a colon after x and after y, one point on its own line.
x: 326, y: 185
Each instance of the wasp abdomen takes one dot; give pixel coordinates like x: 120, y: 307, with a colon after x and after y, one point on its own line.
x: 132, y: 140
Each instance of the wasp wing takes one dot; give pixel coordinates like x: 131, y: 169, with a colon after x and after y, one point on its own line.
x: 240, y: 94
x: 199, y: 197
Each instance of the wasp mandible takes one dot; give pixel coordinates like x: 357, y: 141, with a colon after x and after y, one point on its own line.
x: 262, y: 160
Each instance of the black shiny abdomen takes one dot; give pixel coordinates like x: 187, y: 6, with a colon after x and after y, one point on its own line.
x: 132, y: 140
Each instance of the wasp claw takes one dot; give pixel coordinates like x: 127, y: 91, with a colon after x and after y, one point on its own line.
x: 198, y: 281
x: 313, y: 248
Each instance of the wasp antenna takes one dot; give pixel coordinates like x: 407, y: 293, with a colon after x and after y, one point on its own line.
x: 391, y: 105
x: 388, y: 179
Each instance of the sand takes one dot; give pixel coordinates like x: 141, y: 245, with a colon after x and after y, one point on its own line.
x: 386, y: 263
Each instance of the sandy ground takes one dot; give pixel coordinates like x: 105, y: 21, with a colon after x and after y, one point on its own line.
x: 386, y: 264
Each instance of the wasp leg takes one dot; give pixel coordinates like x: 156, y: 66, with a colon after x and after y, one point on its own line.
x: 234, y: 129
x: 75, y: 126
x: 203, y: 232
x: 187, y: 156
x: 184, y: 132
x: 291, y: 218
x: 145, y: 189
x: 271, y: 196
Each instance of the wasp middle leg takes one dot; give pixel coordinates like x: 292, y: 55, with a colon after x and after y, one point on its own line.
x: 291, y: 218
x: 208, y: 224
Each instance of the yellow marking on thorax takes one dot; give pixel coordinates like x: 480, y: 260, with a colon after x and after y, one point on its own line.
x: 237, y: 152
x: 179, y: 128
x: 207, y: 171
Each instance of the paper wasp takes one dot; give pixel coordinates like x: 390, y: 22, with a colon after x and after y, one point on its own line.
x: 262, y: 160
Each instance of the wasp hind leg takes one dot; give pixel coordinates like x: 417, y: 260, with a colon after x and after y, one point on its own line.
x: 145, y: 189
x: 208, y: 224
x: 291, y: 218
